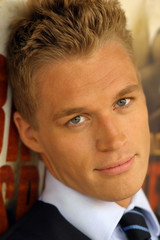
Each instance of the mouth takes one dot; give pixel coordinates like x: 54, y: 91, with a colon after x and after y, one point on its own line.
x: 118, y: 167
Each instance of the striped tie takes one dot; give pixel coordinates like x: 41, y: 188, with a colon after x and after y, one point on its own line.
x: 134, y: 225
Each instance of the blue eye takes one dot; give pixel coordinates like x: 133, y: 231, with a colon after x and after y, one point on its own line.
x: 77, y: 120
x: 123, y: 102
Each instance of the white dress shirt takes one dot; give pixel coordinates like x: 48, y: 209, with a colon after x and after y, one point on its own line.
x: 95, y: 218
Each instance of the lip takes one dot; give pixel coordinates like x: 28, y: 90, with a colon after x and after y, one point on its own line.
x: 118, y: 167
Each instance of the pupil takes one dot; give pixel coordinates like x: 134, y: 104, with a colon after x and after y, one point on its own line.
x: 76, y: 120
x: 122, y: 102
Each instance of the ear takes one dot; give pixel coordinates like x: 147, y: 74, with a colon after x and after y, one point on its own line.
x: 27, y: 133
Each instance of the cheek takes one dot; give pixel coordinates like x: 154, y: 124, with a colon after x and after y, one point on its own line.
x: 142, y: 124
x: 71, y: 151
x: 77, y: 142
x: 136, y: 128
x: 140, y: 133
x: 138, y: 121
x: 68, y: 162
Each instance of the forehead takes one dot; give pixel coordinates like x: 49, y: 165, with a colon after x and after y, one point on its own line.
x: 75, y: 79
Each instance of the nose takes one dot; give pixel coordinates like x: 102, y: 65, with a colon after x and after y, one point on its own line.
x: 110, y: 135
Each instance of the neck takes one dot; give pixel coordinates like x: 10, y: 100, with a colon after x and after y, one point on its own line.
x: 124, y: 203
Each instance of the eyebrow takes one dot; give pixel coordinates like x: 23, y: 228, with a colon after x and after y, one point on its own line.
x: 68, y: 112
x: 71, y: 111
x: 127, y: 90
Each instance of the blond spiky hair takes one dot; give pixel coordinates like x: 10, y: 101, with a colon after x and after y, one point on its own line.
x: 52, y: 30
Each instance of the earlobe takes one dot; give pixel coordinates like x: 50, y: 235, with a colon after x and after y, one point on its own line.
x: 27, y: 133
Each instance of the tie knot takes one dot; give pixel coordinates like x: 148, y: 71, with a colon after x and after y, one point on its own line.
x: 134, y: 225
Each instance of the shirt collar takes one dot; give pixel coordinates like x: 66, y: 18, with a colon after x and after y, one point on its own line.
x: 97, y: 219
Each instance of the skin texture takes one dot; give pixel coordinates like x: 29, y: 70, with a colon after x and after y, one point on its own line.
x: 93, y: 130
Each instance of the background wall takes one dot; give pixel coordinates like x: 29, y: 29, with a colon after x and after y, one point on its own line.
x: 20, y: 169
x: 21, y: 173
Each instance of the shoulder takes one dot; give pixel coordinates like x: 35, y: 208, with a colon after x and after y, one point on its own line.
x: 42, y: 222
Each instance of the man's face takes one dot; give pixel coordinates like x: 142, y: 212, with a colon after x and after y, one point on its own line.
x: 93, y: 124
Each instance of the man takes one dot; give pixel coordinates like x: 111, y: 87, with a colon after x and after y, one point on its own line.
x: 80, y: 105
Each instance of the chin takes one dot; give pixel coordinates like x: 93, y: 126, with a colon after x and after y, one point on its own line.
x: 128, y: 193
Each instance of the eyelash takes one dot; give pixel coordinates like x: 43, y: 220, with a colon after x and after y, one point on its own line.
x: 78, y: 124
x: 125, y: 106
x: 119, y: 108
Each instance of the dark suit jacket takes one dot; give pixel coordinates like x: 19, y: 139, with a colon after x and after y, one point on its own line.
x: 43, y: 222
